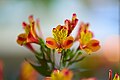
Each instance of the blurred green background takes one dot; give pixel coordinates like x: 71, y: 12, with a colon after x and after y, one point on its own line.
x: 103, y: 16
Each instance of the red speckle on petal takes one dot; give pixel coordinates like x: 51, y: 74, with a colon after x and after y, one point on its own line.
x: 50, y: 42
x: 116, y: 75
x: 69, y: 42
x: 66, y: 72
x: 95, y: 44
x: 21, y: 39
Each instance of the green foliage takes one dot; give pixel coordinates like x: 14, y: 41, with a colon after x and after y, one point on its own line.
x: 46, y: 59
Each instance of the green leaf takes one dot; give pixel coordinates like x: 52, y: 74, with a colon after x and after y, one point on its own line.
x: 43, y: 70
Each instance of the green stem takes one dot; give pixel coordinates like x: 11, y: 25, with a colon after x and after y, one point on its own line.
x: 53, y: 64
x: 61, y: 61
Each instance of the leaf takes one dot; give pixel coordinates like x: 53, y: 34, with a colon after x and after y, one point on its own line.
x: 43, y: 70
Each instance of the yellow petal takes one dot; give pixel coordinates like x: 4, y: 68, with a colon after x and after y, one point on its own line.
x: 31, y: 19
x: 93, y: 45
x: 21, y: 39
x: 68, y: 42
x: 85, y: 37
x: 51, y: 43
x: 67, y: 74
x: 88, y: 50
x: 57, y: 75
x: 116, y: 77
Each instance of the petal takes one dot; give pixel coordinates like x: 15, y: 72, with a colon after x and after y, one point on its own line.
x: 88, y: 50
x: 84, y: 26
x: 74, y: 20
x: 85, y: 37
x: 33, y: 29
x: 68, y: 42
x: 116, y: 77
x: 93, y: 45
x: 21, y: 39
x: 31, y: 38
x: 110, y: 74
x: 67, y: 74
x: 51, y: 43
x: 26, y: 27
x: 29, y: 46
x: 31, y: 19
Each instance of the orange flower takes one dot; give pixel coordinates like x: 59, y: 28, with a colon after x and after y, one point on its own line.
x: 28, y: 72
x: 85, y: 38
x: 30, y: 35
x: 70, y: 24
x: 116, y: 76
x: 1, y: 70
x: 64, y: 74
x: 61, y: 39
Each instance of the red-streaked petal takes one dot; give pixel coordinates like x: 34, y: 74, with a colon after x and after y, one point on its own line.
x: 31, y: 38
x: 26, y: 27
x: 110, y: 74
x: 29, y: 46
x: 67, y: 74
x: 39, y: 29
x: 51, y: 43
x: 93, y: 45
x: 68, y: 42
x: 116, y: 77
x: 21, y: 39
x: 24, y: 24
x: 31, y: 19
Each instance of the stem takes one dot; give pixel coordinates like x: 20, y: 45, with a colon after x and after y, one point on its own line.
x: 53, y: 60
x: 61, y: 61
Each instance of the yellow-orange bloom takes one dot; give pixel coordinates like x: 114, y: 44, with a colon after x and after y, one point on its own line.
x: 27, y: 72
x: 64, y: 74
x: 85, y: 38
x: 30, y: 35
x: 116, y: 76
x: 61, y: 39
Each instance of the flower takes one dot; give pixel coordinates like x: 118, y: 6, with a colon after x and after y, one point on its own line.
x: 1, y: 70
x: 85, y: 38
x: 61, y: 39
x: 27, y: 72
x: 64, y: 74
x: 92, y: 78
x: 70, y: 24
x: 116, y: 76
x: 30, y: 35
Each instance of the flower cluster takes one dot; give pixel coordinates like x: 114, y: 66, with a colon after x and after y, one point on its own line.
x: 116, y: 76
x: 61, y: 43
